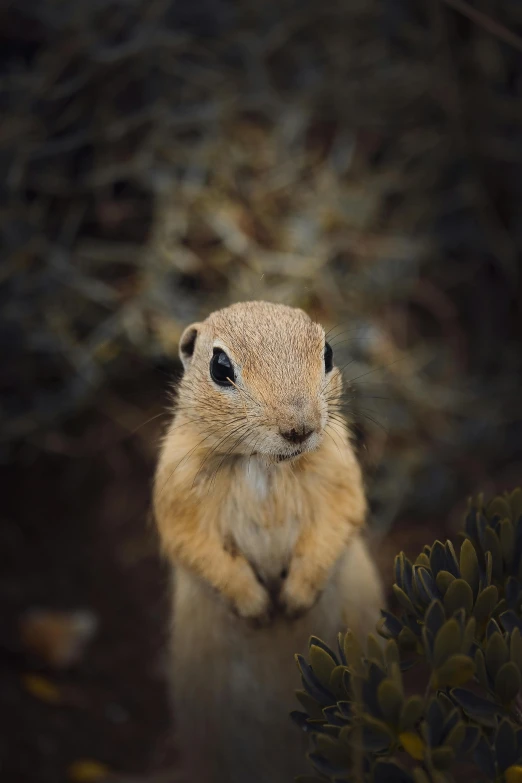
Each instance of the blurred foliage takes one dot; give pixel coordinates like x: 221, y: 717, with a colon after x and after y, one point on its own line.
x: 359, y: 158
x: 461, y: 618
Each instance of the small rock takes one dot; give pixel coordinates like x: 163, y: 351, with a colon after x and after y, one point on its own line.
x: 116, y: 714
x: 87, y: 771
x: 58, y: 638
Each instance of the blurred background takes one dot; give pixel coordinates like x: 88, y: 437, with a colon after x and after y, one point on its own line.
x: 361, y: 159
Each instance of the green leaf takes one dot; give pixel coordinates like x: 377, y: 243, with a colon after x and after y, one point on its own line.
x: 424, y: 584
x: 469, y: 567
x: 485, y: 604
x: 345, y: 707
x: 403, y: 599
x: 327, y: 768
x: 509, y: 619
x: 375, y: 736
x: 423, y: 560
x: 458, y: 596
x: 489, y: 567
x: 502, y: 606
x: 353, y: 653
x: 311, y: 683
x: 506, y: 745
x: 468, y: 637
x: 507, y: 541
x: 337, y: 683
x: 447, y: 643
x: 452, y: 716
x: 387, y: 771
x: 390, y: 700
x: 428, y: 643
x: 331, y: 749
x: 498, y: 507
x: 507, y: 682
x: 374, y: 650
x: 311, y: 707
x: 411, y: 712
x: 327, y: 729
x: 437, y: 558
x: 394, y: 673
x: 497, y: 654
x: 484, y: 757
x: 480, y: 710
x: 443, y: 580
x: 456, y: 736
x: 391, y: 654
x: 492, y: 544
x: 480, y: 668
x: 515, y: 501
x: 315, y: 640
x: 456, y: 670
x: 389, y: 626
x: 450, y: 553
x: 473, y: 734
x: 515, y: 648
x: 407, y: 639
x: 445, y: 702
x: 442, y: 757
x: 322, y: 664
x: 435, y: 617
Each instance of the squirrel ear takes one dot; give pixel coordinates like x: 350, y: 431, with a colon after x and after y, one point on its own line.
x: 187, y: 344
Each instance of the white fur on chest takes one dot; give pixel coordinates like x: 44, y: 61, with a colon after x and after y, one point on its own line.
x: 267, y: 546
x: 256, y: 476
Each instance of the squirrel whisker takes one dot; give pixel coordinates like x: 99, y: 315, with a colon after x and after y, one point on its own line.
x: 227, y: 454
x: 191, y: 451
x: 215, y: 451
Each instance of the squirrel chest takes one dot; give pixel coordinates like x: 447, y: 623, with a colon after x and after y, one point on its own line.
x: 260, y: 520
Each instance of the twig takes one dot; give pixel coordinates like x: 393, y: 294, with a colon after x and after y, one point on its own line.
x: 486, y: 22
x: 500, y: 241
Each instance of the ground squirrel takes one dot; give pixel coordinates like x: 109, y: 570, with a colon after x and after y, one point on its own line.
x: 259, y: 503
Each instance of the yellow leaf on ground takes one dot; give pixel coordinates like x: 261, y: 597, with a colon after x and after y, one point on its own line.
x: 41, y: 688
x: 513, y: 774
x: 412, y: 744
x: 87, y: 771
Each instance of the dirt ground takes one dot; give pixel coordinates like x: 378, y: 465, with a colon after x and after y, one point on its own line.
x: 75, y: 534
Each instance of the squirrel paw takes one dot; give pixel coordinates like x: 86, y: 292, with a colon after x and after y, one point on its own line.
x: 298, y: 595
x: 253, y: 604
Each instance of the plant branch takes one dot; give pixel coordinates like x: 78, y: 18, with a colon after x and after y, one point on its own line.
x: 487, y: 23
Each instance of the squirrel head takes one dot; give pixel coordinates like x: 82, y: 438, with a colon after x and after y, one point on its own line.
x: 258, y: 379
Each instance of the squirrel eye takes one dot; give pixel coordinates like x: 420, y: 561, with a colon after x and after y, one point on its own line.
x: 328, y: 357
x: 221, y: 370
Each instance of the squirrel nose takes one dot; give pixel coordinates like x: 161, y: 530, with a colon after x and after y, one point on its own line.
x: 298, y: 435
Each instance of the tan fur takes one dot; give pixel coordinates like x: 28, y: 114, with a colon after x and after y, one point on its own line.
x: 257, y: 543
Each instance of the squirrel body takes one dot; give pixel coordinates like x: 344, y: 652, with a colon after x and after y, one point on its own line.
x: 259, y: 502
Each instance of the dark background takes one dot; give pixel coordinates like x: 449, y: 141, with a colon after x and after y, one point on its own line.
x: 159, y: 159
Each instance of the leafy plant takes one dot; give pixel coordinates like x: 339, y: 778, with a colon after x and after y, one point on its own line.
x: 459, y: 629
